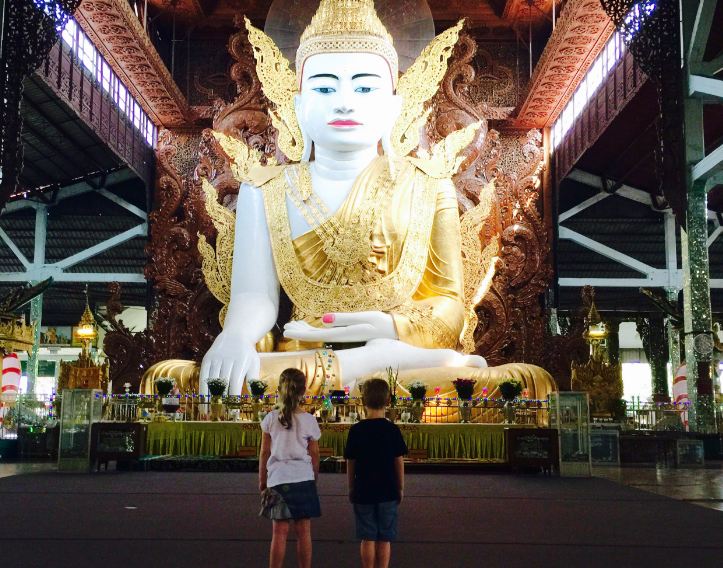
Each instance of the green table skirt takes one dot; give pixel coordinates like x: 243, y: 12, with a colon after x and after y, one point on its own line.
x: 483, y: 442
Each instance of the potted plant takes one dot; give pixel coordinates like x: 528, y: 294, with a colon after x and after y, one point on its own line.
x: 418, y: 392
x: 164, y: 387
x: 216, y: 388
x: 258, y: 389
x: 464, y: 388
x: 510, y: 389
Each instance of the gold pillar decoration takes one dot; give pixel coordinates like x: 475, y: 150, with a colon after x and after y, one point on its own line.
x: 86, y: 372
x: 597, y: 376
x: 15, y: 334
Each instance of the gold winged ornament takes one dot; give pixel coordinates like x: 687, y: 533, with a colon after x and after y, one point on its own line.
x: 419, y: 84
x: 279, y: 85
x: 479, y: 262
x: 243, y: 159
x: 217, y: 263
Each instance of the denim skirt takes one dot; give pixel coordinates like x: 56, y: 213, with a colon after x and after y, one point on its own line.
x: 290, y: 501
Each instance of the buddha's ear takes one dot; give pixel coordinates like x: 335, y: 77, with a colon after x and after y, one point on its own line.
x: 305, y: 140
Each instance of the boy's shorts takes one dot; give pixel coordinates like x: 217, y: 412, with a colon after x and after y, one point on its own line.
x: 376, y: 521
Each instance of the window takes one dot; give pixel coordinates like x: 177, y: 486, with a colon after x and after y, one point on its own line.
x: 91, y: 59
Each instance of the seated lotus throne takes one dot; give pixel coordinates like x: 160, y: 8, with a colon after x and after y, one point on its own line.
x: 394, y: 273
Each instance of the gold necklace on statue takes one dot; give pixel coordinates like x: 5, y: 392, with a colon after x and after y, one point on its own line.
x: 345, y: 244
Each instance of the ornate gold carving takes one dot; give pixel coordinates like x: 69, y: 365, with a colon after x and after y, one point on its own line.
x: 346, y: 26
x: 312, y: 298
x: 445, y: 158
x: 279, y: 85
x: 418, y: 85
x: 243, y: 158
x: 15, y: 334
x: 345, y: 244
x: 479, y: 261
x: 422, y: 315
x: 217, y: 264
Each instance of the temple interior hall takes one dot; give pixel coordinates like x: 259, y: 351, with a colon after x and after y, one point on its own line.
x: 507, y: 213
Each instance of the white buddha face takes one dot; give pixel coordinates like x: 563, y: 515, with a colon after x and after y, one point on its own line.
x: 347, y: 102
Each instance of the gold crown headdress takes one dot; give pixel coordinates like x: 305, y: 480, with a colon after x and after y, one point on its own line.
x: 347, y: 26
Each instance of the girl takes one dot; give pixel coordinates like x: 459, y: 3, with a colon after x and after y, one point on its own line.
x: 288, y: 469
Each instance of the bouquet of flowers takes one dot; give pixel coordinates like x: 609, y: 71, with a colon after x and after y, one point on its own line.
x: 510, y: 389
x: 417, y: 390
x: 258, y: 388
x: 464, y: 387
x: 217, y: 387
x: 164, y: 385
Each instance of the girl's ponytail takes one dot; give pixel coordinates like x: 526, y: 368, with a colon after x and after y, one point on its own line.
x: 292, y: 386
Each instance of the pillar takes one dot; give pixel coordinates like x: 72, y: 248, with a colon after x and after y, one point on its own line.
x: 36, y: 317
x: 697, y: 311
x: 36, y: 304
x: 652, y: 331
x: 613, y: 342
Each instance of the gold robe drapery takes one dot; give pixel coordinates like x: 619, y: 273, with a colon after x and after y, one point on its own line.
x: 413, y: 271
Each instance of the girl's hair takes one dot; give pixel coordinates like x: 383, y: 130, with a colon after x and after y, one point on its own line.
x: 292, y: 386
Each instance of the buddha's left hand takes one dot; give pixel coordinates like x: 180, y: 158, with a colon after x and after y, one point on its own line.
x: 344, y: 327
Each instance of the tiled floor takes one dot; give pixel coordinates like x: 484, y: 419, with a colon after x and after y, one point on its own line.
x: 120, y: 519
x: 698, y: 486
x: 8, y: 469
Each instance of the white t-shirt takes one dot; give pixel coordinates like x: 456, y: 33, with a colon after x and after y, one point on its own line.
x: 290, y: 461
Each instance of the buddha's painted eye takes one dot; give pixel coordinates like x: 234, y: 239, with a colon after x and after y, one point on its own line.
x: 364, y: 89
x: 324, y: 90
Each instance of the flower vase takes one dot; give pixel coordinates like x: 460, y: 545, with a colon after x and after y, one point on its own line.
x: 508, y: 411
x: 216, y: 408
x: 465, y: 410
x: 406, y: 415
x: 417, y: 411
x: 391, y: 414
x: 255, y: 408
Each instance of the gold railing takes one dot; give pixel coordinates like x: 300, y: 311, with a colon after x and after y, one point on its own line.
x: 434, y: 410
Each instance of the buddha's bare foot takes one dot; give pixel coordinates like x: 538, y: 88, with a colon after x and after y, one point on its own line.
x: 474, y: 361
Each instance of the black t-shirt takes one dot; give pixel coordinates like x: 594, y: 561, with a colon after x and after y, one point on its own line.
x: 373, y: 444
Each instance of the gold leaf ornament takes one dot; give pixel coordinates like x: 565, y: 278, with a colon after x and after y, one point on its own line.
x: 419, y: 84
x: 445, y: 157
x: 243, y: 158
x: 478, y: 264
x: 216, y: 264
x: 279, y: 85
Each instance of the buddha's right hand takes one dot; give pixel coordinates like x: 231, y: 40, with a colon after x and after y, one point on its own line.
x: 232, y: 356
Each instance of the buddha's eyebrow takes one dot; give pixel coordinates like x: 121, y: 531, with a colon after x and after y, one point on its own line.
x: 324, y: 75
x: 360, y: 75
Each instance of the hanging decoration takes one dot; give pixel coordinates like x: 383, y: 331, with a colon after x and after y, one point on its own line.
x: 651, y: 31
x: 31, y: 28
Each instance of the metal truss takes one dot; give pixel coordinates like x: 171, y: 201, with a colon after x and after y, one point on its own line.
x: 670, y: 277
x: 38, y: 269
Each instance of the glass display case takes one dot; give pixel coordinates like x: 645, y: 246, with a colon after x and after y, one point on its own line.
x: 570, y: 415
x: 80, y: 408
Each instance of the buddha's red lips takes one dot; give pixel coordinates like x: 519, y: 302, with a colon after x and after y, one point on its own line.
x: 344, y: 123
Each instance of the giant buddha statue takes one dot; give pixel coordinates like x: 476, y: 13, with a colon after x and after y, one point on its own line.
x: 363, y: 238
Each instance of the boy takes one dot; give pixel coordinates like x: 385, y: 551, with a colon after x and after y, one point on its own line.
x: 375, y: 472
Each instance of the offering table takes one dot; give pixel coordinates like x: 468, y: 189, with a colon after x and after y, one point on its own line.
x: 479, y: 442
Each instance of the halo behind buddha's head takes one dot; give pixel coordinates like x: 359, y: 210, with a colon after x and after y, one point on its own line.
x: 396, y: 30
